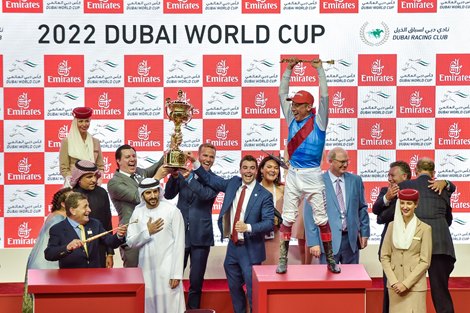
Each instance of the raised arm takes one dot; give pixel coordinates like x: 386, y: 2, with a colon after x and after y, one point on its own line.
x: 322, y: 108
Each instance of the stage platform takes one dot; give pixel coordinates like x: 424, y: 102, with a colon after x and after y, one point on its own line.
x: 216, y: 296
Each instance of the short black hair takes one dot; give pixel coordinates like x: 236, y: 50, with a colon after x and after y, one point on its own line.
x: 404, y: 167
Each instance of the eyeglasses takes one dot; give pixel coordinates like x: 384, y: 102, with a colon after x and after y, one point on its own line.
x: 343, y: 162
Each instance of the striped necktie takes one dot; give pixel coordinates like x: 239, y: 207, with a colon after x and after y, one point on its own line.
x: 83, y: 238
x: 342, y: 206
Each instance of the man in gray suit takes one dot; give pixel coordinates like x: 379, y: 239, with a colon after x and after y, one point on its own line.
x: 347, y: 212
x: 434, y: 209
x: 124, y: 193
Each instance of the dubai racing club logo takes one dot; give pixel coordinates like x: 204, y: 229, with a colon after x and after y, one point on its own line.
x: 24, y: 195
x: 23, y: 131
x: 451, y: 96
x: 374, y: 34
x: 61, y: 98
x: 334, y: 66
x: 102, y: 66
x: 258, y: 129
x: 453, y: 161
x: 21, y: 65
x: 259, y: 65
x: 181, y: 65
x: 414, y: 64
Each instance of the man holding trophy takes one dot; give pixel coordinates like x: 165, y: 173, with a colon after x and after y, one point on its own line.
x: 179, y: 111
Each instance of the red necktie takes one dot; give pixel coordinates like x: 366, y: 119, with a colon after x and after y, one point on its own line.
x: 237, y: 214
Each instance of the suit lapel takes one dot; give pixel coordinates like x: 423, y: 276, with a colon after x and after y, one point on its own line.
x: 127, y: 180
x: 70, y: 231
x: 229, y: 197
x: 347, y: 186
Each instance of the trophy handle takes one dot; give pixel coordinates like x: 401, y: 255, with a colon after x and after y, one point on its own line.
x: 190, y: 115
x: 167, y: 110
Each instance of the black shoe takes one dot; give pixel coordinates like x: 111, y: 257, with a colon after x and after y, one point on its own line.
x: 334, y: 268
x: 284, y: 250
x: 330, y: 259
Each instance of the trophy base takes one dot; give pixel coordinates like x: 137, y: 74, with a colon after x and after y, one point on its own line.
x: 175, y: 159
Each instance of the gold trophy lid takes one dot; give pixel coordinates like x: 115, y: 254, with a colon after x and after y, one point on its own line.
x: 180, y: 101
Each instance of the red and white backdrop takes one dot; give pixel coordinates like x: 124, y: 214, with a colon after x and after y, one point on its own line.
x: 399, y: 87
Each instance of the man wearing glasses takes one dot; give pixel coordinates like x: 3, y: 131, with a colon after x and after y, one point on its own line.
x: 347, y: 211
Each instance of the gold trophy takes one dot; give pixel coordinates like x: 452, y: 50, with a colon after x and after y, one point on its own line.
x: 179, y: 111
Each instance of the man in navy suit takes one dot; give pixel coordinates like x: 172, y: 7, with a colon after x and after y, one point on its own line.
x: 66, y: 242
x: 195, y: 202
x: 247, y: 214
x: 347, y: 211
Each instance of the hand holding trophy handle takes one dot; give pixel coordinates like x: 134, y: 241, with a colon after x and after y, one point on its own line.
x: 288, y: 60
x: 107, y: 232
x: 179, y: 111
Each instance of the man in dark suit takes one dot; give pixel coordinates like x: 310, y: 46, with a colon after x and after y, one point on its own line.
x: 84, y: 179
x: 195, y: 202
x: 346, y: 209
x: 66, y: 242
x: 384, y: 208
x: 434, y: 209
x: 247, y: 214
x: 123, y: 191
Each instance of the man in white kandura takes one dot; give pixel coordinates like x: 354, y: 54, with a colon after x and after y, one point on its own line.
x: 159, y: 236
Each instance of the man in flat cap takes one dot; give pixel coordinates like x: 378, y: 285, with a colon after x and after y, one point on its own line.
x: 159, y: 235
x: 306, y: 141
x: 84, y: 179
x: 79, y: 144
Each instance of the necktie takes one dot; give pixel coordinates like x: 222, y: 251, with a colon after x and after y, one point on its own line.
x: 342, y: 206
x: 83, y: 238
x: 237, y: 214
x: 133, y: 176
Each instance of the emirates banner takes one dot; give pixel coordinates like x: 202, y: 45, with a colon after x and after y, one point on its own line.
x: 399, y: 87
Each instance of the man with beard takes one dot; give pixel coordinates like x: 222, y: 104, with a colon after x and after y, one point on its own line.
x: 67, y: 238
x: 84, y: 179
x: 123, y: 190
x: 159, y: 235
x: 195, y: 202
